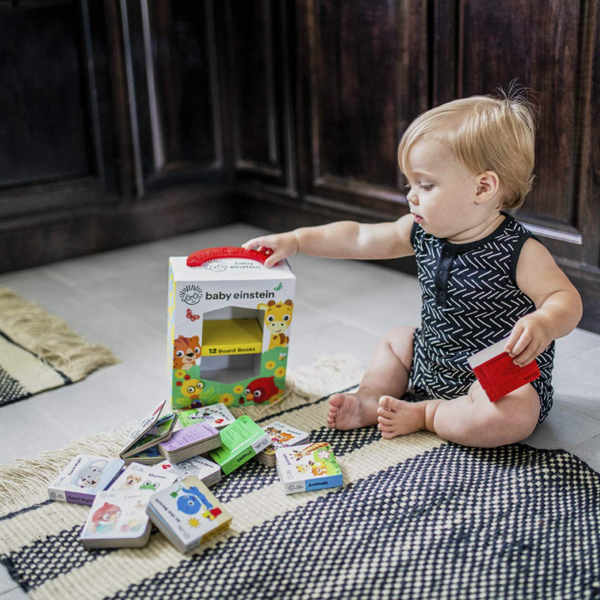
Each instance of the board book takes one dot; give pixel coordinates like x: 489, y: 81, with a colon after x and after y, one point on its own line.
x: 206, y: 470
x: 151, y: 456
x: 242, y: 441
x: 142, y: 478
x: 117, y: 519
x: 191, y: 441
x: 282, y: 436
x: 498, y: 374
x: 187, y: 513
x: 216, y: 415
x: 83, y: 478
x: 152, y: 430
x: 308, y: 467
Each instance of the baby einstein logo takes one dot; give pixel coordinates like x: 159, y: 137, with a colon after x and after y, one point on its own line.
x: 191, y: 294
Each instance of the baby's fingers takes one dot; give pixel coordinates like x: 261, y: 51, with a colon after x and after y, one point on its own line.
x: 530, y: 353
x: 524, y: 340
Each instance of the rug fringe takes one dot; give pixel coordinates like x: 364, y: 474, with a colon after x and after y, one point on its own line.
x: 18, y: 487
x: 50, y: 338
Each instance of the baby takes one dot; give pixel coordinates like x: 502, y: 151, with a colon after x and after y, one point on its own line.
x: 483, y: 276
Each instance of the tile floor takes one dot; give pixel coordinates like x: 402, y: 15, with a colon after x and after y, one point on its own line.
x: 119, y: 299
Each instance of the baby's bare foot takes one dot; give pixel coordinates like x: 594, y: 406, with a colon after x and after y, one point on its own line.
x: 351, y: 411
x: 397, y: 417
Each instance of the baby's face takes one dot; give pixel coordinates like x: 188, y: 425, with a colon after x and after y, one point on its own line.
x: 443, y: 194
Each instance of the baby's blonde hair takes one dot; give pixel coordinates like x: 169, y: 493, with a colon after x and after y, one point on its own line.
x: 485, y: 133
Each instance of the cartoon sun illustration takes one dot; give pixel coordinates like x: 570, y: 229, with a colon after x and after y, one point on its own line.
x: 194, y: 522
x: 280, y: 372
x: 227, y: 399
x: 180, y: 373
x: 238, y: 389
x: 270, y: 365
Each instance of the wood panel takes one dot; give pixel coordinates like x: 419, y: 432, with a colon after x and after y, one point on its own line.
x: 173, y: 79
x: 366, y: 67
x: 55, y: 135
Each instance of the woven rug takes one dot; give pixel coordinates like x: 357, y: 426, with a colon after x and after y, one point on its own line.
x: 39, y: 351
x: 416, y: 518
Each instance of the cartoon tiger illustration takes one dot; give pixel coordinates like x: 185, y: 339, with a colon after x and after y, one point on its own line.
x: 186, y: 352
x: 278, y: 317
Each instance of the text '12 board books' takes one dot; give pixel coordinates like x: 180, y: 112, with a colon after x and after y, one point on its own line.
x: 191, y: 441
x: 282, y: 436
x: 498, y: 374
x: 206, y: 470
x: 152, y: 430
x: 118, y: 517
x: 242, y: 441
x: 187, y: 513
x: 217, y: 415
x: 308, y: 467
x: 83, y: 478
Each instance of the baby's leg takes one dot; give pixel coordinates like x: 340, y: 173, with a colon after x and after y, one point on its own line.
x: 387, y: 373
x: 470, y: 420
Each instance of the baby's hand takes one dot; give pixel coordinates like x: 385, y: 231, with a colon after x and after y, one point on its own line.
x: 529, y: 338
x: 283, y: 245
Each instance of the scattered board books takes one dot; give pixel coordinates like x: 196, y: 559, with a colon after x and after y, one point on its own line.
x: 191, y: 441
x: 282, y: 436
x: 242, y: 440
x: 498, y: 374
x: 117, y: 519
x: 217, y: 415
x: 152, y: 430
x: 308, y: 467
x: 187, y: 513
x: 205, y: 470
x: 83, y: 478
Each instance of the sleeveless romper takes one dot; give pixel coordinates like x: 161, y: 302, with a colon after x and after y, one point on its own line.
x: 470, y: 301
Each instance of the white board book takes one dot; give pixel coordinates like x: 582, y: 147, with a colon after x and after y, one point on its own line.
x: 83, y: 478
x: 308, y: 467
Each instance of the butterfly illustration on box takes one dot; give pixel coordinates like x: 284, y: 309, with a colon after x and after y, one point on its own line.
x: 191, y: 316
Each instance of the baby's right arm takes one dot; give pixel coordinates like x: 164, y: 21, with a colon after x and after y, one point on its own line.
x: 343, y: 239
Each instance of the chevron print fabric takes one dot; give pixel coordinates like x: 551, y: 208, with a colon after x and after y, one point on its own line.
x: 470, y: 301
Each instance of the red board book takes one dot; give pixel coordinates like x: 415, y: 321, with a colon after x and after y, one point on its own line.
x: 497, y: 372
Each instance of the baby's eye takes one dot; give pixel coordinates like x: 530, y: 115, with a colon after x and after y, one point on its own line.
x: 426, y: 187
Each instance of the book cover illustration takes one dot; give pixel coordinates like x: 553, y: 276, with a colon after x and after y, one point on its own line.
x: 216, y: 415
x: 150, y: 456
x: 498, y: 374
x: 83, y: 478
x: 308, y: 467
x: 282, y: 435
x: 187, y: 513
x: 159, y: 432
x: 141, y: 478
x: 242, y: 440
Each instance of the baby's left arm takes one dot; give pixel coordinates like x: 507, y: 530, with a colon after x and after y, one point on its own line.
x: 558, y: 304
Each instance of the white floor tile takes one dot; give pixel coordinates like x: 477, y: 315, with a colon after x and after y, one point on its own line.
x: 6, y: 582
x: 589, y: 452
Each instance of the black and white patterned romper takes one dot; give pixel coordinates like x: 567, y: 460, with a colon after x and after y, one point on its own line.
x: 470, y: 301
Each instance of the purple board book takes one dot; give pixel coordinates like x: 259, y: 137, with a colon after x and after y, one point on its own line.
x: 189, y: 435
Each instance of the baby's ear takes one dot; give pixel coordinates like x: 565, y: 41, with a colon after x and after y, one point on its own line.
x: 487, y: 185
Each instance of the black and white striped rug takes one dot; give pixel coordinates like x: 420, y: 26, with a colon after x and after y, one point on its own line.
x: 416, y: 518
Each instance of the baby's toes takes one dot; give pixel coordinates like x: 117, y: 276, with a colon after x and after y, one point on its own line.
x: 385, y: 420
x: 388, y: 403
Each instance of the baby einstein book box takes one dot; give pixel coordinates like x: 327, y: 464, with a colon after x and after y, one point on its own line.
x: 230, y: 322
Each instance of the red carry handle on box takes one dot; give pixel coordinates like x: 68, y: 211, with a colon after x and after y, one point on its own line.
x: 198, y: 258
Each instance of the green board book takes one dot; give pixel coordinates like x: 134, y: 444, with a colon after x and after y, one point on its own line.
x: 242, y: 440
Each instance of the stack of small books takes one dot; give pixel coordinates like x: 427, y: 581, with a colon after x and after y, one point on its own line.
x: 189, y: 442
x: 282, y: 436
x: 308, y: 467
x: 187, y: 513
x: 198, y: 466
